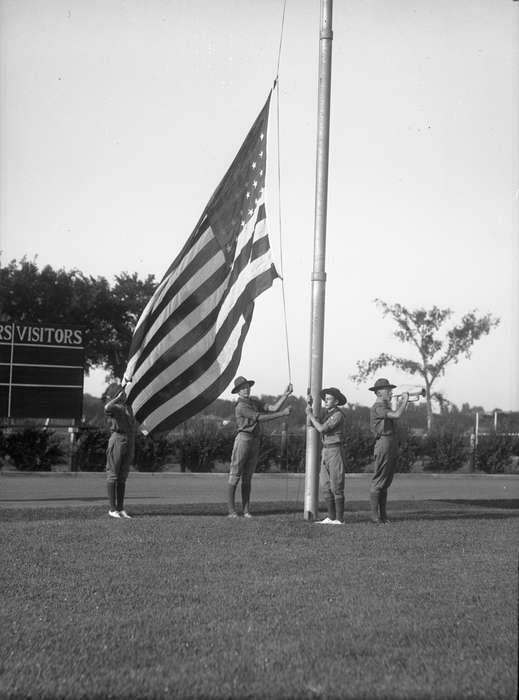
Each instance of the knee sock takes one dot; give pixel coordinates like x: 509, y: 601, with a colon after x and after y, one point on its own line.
x: 330, y: 505
x: 374, y: 498
x: 121, y: 486
x: 383, y: 501
x: 339, y: 508
x: 111, y: 486
x: 230, y: 497
x: 245, y: 495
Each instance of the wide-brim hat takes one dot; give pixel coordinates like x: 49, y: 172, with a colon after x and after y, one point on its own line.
x: 382, y: 383
x: 333, y: 391
x: 240, y: 382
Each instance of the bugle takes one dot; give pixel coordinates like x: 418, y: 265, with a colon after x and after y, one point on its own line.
x: 415, y: 392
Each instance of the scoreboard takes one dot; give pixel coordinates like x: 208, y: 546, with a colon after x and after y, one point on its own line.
x: 41, y: 371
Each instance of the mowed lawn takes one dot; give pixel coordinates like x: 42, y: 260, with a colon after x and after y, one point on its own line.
x: 194, y: 605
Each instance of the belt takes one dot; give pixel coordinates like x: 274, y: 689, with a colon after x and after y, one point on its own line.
x: 331, y: 444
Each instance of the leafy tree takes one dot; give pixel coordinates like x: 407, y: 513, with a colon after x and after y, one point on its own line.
x: 107, y: 315
x: 420, y: 328
x: 128, y: 297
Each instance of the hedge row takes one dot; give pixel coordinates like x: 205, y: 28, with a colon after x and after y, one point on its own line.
x: 202, y: 445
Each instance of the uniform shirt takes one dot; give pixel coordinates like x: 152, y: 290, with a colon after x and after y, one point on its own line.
x: 247, y: 412
x: 120, y: 419
x: 333, y: 425
x: 380, y: 424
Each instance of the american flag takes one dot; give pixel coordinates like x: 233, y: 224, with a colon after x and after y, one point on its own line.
x: 187, y: 344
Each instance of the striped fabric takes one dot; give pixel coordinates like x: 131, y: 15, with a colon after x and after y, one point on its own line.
x: 187, y: 344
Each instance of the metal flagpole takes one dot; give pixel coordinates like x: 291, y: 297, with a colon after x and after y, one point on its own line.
x: 311, y: 504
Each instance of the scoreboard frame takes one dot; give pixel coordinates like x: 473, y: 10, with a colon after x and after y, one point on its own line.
x: 41, y: 371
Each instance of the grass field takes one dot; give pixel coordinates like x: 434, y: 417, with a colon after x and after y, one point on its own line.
x: 184, y: 603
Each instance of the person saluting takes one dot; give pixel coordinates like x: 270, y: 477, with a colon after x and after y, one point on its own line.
x: 121, y: 447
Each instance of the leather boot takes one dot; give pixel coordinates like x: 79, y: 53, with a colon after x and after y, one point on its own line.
x: 374, y: 500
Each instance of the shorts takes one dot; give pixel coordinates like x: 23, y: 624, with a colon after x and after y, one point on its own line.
x: 244, y: 457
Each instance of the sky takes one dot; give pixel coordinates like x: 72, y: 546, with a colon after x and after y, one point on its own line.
x: 119, y: 118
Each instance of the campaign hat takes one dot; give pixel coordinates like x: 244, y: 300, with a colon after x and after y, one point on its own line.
x: 333, y: 391
x: 240, y: 382
x: 382, y: 383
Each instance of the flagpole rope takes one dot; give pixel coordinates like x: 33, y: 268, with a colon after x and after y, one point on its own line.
x: 281, y: 37
x: 276, y: 85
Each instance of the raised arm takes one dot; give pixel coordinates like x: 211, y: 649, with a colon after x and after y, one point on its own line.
x: 273, y: 408
x: 119, y: 398
x: 263, y: 417
x: 400, y: 408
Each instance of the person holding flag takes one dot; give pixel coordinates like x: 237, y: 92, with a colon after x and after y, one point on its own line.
x: 249, y: 414
x: 121, y: 447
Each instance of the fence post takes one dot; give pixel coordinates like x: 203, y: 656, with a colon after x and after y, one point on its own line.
x: 284, y: 445
x: 72, y: 461
x: 473, y: 451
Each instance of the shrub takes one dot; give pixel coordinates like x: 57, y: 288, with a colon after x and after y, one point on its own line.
x: 269, y: 452
x: 296, y: 453
x: 33, y: 449
x: 410, y: 449
x: 201, y: 445
x: 358, y: 447
x: 90, y: 454
x: 447, y: 450
x: 494, y: 453
x: 151, y: 453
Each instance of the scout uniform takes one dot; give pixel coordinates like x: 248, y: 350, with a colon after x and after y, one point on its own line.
x: 246, y: 446
x: 331, y: 478
x: 119, y: 453
x: 385, y: 452
x: 247, y: 441
x: 249, y: 413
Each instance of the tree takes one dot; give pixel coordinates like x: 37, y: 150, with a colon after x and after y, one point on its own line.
x: 127, y: 299
x: 107, y: 315
x: 419, y: 327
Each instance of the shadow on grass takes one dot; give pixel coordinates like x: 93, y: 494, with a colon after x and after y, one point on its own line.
x: 356, y: 511
x: 507, y: 503
x: 65, y: 498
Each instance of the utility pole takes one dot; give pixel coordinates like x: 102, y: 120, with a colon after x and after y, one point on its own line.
x: 313, y: 446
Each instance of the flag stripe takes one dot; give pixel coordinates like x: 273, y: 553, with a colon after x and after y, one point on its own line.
x: 171, y: 352
x: 171, y: 320
x: 204, y: 362
x: 230, y: 318
x: 209, y: 393
x: 176, y: 281
x: 189, y: 339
